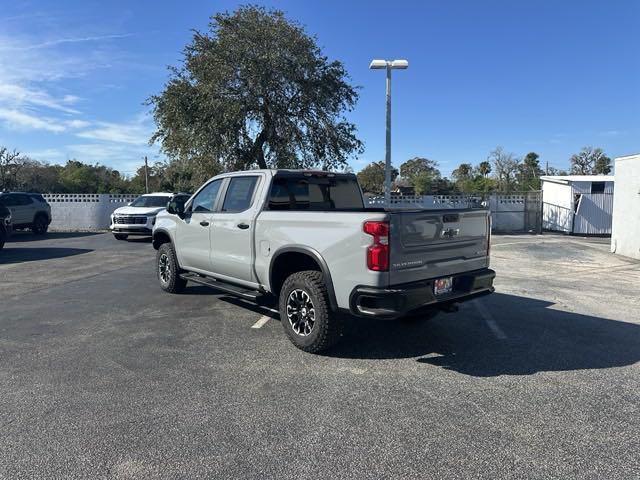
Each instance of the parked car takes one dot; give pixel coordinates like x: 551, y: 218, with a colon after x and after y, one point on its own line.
x: 5, y: 225
x: 28, y: 210
x: 306, y: 241
x: 138, y: 217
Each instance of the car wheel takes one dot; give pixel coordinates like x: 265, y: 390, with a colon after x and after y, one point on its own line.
x: 168, y: 270
x: 3, y: 238
x: 40, y: 225
x: 305, y: 314
x: 120, y: 236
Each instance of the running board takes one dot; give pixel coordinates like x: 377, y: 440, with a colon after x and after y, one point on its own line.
x: 238, y: 291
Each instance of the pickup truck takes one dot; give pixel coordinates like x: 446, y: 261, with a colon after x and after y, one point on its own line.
x: 305, y: 241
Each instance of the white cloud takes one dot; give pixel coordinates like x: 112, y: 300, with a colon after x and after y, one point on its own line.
x: 136, y: 132
x: 61, y: 41
x: 21, y: 121
x: 18, y: 96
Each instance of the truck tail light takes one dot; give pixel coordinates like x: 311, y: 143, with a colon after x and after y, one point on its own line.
x: 378, y: 251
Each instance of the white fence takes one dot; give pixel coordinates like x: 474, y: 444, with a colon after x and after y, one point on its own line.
x: 519, y: 212
x: 510, y: 213
x: 84, y: 211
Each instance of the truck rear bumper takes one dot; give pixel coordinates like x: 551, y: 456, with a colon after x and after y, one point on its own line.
x: 399, y: 300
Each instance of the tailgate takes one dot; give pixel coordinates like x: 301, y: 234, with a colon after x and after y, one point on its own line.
x: 435, y: 243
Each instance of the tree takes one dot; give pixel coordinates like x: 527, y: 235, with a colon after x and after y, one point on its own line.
x: 590, y: 161
x: 371, y: 177
x: 256, y: 90
x: 10, y: 164
x: 421, y: 173
x: 529, y: 172
x: 505, y: 167
x: 462, y: 177
x: 602, y: 166
x: 484, y: 168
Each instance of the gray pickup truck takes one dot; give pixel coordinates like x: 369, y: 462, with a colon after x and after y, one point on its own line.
x: 306, y: 241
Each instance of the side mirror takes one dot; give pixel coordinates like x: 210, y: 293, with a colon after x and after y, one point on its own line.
x: 176, y: 207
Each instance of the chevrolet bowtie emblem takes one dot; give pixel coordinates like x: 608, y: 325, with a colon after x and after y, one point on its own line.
x: 450, y: 232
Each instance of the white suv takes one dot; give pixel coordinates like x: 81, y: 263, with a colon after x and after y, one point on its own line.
x: 139, y: 216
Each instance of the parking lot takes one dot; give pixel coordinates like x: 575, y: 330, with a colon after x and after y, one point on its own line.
x: 103, y: 375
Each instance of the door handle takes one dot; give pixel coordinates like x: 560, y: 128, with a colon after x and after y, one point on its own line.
x: 204, y: 223
x: 243, y: 226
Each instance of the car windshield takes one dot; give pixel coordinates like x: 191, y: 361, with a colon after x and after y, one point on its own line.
x: 150, y: 201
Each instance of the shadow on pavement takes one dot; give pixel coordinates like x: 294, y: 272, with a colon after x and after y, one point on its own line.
x: 20, y: 236
x: 538, y: 339
x: 19, y: 255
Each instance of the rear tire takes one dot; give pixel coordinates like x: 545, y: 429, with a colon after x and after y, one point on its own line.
x: 120, y: 236
x: 305, y: 313
x: 168, y: 270
x: 40, y: 224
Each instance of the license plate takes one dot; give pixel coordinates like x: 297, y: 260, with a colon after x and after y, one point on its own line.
x: 443, y: 285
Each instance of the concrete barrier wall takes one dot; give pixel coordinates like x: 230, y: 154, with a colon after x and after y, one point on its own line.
x: 84, y: 211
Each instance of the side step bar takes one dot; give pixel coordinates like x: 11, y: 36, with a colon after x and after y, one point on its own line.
x: 236, y: 290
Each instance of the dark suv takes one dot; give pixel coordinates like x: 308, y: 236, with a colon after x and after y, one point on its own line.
x: 5, y: 225
x: 28, y: 210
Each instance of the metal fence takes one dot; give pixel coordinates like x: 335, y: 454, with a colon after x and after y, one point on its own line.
x: 510, y: 213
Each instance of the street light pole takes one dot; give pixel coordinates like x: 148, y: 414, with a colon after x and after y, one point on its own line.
x: 387, y: 157
x: 388, y: 65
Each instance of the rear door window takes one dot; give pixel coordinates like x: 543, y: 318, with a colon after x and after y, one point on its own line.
x: 239, y: 194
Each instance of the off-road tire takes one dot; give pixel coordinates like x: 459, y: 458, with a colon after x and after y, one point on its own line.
x: 327, y: 326
x: 40, y: 224
x: 172, y: 282
x: 120, y: 236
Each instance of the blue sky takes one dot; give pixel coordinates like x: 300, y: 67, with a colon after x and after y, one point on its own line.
x: 543, y: 76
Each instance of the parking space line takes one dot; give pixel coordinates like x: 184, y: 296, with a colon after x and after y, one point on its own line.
x: 489, y: 320
x: 261, y: 322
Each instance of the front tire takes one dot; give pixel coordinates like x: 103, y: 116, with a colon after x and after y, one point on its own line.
x: 305, y: 314
x: 40, y: 225
x: 168, y: 270
x: 120, y: 236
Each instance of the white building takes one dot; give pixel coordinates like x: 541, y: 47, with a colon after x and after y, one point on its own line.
x: 578, y: 204
x: 625, y: 235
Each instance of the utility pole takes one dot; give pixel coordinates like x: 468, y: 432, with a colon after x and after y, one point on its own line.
x: 146, y: 175
x: 547, y: 170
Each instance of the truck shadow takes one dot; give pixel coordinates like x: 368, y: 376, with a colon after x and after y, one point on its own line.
x: 536, y: 339
x: 19, y: 255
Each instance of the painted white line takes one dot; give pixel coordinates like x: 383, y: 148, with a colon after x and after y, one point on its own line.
x: 261, y: 322
x: 489, y: 320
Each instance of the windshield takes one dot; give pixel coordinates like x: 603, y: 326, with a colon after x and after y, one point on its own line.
x: 150, y: 201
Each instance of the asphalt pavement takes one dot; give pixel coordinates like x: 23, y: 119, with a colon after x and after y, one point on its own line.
x: 103, y: 375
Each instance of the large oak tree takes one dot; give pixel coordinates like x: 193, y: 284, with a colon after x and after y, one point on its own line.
x: 255, y: 90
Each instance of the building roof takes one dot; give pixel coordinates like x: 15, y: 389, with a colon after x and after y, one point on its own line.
x: 566, y: 179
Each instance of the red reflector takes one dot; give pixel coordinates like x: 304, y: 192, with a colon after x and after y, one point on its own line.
x: 378, y: 258
x: 378, y: 252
